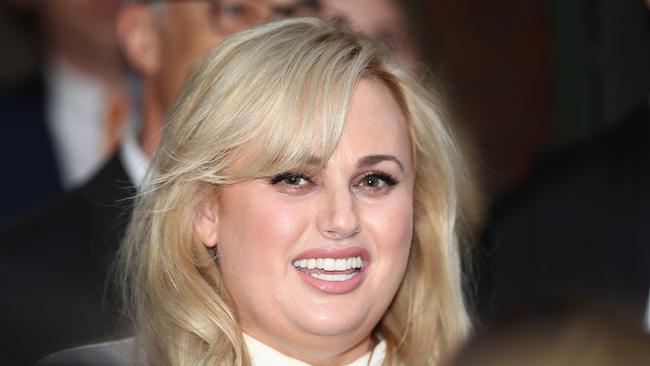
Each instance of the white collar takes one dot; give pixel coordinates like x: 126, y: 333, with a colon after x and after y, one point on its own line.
x: 261, y: 354
x: 76, y: 104
x: 134, y: 160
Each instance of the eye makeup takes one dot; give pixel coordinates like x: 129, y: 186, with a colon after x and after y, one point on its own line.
x: 376, y: 179
x: 290, y: 178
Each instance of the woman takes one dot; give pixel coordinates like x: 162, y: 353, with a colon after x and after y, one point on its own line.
x: 302, y: 208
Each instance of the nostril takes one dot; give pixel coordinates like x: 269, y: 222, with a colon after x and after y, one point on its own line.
x: 339, y: 236
x: 339, y: 218
x: 342, y: 230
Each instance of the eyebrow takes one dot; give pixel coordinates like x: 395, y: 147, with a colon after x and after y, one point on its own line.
x: 371, y: 160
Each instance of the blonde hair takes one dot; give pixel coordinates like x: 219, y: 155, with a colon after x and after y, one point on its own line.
x: 273, y: 97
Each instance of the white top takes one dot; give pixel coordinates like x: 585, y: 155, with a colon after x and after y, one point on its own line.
x: 263, y: 355
x: 119, y: 353
x: 76, y: 112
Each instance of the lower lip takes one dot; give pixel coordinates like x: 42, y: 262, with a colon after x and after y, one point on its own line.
x: 334, y: 287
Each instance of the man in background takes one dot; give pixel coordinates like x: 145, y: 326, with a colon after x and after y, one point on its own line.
x: 383, y: 20
x: 59, y: 125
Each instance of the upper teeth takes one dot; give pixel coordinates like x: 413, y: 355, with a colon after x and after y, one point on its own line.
x: 329, y: 264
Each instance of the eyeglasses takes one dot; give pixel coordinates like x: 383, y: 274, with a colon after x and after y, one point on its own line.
x: 237, y: 15
x: 232, y: 16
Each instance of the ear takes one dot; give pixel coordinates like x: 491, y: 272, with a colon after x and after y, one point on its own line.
x: 139, y: 38
x: 206, y: 222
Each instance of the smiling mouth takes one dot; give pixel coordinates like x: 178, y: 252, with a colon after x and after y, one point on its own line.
x: 330, y: 269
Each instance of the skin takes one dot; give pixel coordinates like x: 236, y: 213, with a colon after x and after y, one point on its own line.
x: 83, y: 32
x: 162, y: 42
x: 260, y: 227
x: 379, y: 19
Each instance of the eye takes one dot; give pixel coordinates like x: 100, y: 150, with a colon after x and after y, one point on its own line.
x: 291, y: 183
x: 376, y: 181
x: 372, y: 181
x: 234, y: 10
x: 291, y: 179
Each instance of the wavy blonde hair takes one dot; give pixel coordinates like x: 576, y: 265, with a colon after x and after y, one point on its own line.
x: 274, y: 97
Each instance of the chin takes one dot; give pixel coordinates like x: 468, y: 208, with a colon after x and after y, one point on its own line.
x: 333, y: 322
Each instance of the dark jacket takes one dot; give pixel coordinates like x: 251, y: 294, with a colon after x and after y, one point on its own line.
x: 54, y: 265
x: 30, y: 175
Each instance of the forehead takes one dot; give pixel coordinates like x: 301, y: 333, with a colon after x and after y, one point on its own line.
x: 376, y: 124
x: 273, y: 3
x: 368, y: 16
x: 282, y: 2
x: 242, y: 13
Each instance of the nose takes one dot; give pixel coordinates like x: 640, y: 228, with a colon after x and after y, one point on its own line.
x: 339, y: 218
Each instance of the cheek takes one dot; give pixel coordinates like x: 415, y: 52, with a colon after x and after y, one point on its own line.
x: 391, y: 228
x: 392, y: 224
x: 184, y: 44
x: 260, y: 230
x: 255, y: 239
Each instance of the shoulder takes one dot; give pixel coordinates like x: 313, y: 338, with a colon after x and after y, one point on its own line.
x: 74, y: 217
x: 60, y: 255
x: 119, y: 353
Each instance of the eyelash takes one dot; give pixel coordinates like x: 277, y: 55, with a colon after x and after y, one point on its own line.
x: 386, y: 178
x: 289, y: 175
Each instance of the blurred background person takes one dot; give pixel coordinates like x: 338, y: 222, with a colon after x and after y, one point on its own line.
x: 558, y: 333
x: 60, y: 254
x: 66, y: 117
x: 384, y: 20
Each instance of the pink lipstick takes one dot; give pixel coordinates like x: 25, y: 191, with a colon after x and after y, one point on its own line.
x: 333, y: 270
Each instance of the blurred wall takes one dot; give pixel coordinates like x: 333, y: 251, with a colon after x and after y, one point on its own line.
x: 18, y: 46
x: 528, y: 77
x: 600, y: 64
x: 496, y: 67
x: 622, y: 51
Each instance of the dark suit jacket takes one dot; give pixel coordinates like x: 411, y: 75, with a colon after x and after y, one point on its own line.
x: 29, y: 169
x: 580, y: 226
x: 53, y: 267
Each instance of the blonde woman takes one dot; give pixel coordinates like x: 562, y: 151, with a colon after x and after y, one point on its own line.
x: 302, y: 209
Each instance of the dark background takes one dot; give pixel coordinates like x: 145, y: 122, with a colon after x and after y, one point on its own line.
x: 529, y: 77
